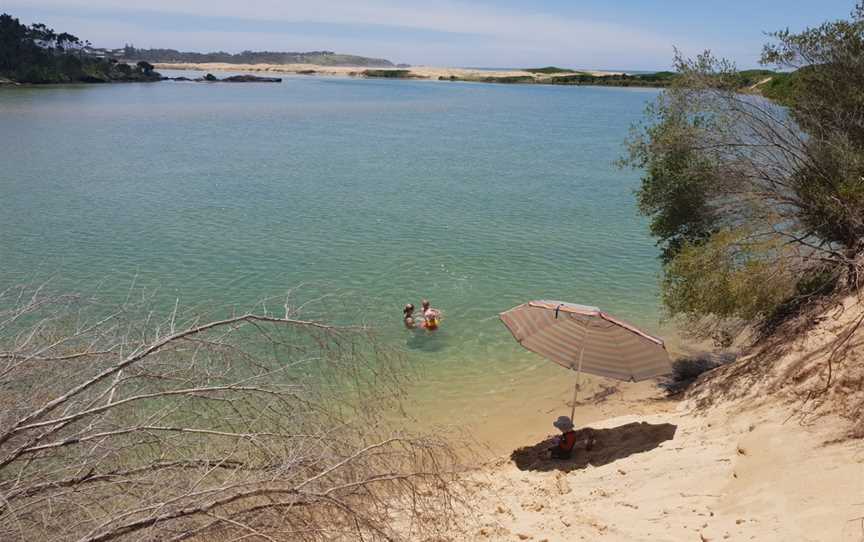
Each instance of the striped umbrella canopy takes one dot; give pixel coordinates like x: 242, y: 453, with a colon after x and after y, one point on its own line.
x: 588, y: 340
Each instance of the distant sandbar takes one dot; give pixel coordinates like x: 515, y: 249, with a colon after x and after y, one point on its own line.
x: 414, y: 72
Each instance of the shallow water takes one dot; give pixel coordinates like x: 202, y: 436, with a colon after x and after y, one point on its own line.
x: 477, y: 196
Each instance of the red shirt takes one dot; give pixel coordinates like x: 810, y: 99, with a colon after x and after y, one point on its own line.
x: 567, y: 441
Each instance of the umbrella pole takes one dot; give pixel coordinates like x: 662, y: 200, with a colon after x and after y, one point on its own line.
x: 579, y: 375
x: 576, y: 394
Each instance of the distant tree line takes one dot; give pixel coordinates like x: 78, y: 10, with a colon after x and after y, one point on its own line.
x: 743, y: 80
x: 775, y: 85
x: 38, y: 54
x: 324, y: 58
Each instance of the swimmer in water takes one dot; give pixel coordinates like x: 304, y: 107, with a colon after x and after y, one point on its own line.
x: 408, y: 313
x: 431, y: 317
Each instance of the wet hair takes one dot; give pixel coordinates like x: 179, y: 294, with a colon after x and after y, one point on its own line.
x: 425, y: 304
x: 409, y: 308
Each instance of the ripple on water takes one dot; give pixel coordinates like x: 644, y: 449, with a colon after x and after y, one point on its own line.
x: 479, y: 197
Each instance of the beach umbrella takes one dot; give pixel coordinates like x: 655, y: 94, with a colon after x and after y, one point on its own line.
x: 587, y: 340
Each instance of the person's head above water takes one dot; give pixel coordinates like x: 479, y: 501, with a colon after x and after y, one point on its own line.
x: 409, y: 309
x: 425, y: 304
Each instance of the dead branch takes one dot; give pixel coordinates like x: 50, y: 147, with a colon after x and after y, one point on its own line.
x: 115, y: 425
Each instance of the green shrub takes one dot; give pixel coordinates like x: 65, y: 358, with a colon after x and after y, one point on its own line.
x: 388, y: 74
x: 759, y: 208
x: 549, y: 70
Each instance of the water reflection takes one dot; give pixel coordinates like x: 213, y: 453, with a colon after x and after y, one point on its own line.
x: 426, y: 341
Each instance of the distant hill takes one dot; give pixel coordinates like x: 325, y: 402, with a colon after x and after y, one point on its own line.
x: 321, y: 58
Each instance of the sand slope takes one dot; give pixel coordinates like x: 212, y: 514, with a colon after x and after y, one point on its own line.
x: 726, y: 476
x: 755, y: 453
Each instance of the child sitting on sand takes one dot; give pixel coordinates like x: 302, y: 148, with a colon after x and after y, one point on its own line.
x: 567, y: 440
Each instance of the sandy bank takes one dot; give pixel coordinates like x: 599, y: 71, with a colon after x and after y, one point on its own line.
x: 752, y: 454
x: 523, y: 411
x: 726, y: 476
x: 416, y: 72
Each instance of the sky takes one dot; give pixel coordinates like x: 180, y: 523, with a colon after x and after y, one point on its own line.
x: 588, y: 34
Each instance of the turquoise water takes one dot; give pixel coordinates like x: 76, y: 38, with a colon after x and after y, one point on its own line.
x: 476, y: 196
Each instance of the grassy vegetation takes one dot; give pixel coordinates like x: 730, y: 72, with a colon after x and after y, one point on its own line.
x: 549, y: 70
x: 660, y: 79
x: 782, y: 87
x: 388, y: 74
x: 748, y: 78
x: 778, y: 87
x: 508, y: 79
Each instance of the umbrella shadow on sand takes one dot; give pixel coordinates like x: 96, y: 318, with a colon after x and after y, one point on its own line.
x: 595, y: 447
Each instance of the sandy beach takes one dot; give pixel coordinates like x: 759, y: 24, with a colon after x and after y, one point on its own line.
x: 415, y: 72
x: 739, y: 459
x: 725, y: 476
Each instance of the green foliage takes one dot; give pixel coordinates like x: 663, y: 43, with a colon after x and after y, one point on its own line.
x: 825, y: 99
x: 550, y: 70
x: 759, y: 207
x: 748, y: 78
x: 729, y: 278
x: 830, y: 188
x: 37, y: 54
x: 560, y: 76
x: 782, y: 87
x: 664, y: 77
x: 677, y: 180
x: 509, y: 79
x: 830, y: 63
x: 659, y: 79
x: 388, y: 74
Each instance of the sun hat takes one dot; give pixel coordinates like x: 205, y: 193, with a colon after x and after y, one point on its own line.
x: 563, y: 423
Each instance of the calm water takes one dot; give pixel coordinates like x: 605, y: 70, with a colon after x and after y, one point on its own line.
x: 477, y: 196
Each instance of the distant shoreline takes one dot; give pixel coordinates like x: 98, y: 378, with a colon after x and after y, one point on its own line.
x: 548, y: 76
